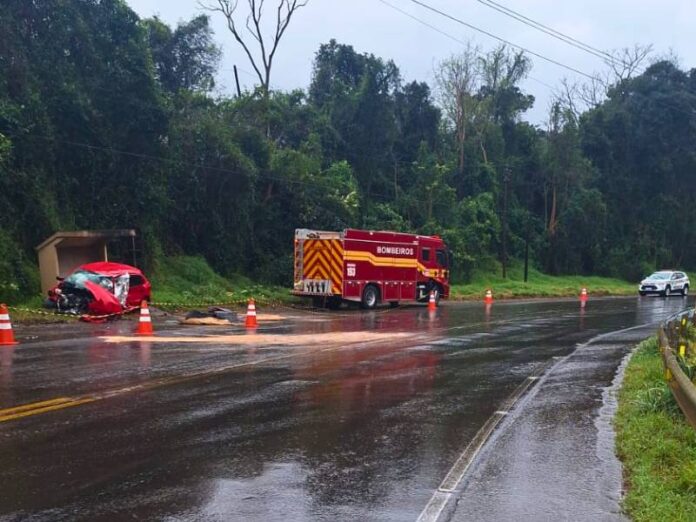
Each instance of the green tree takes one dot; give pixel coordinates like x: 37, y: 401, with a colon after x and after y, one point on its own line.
x: 185, y: 58
x: 641, y: 140
x: 355, y: 93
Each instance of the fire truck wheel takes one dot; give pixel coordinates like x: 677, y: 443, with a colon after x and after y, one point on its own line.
x: 437, y: 290
x: 370, y: 297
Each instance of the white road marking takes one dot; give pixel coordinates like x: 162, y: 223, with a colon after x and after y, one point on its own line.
x: 442, y: 495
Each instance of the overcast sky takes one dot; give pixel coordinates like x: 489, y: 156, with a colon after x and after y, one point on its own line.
x: 371, y: 26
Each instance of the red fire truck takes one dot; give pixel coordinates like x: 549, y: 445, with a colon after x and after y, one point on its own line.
x: 369, y: 267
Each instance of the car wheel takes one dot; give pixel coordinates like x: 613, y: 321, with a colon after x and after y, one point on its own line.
x: 685, y: 290
x: 667, y: 292
x: 370, y: 297
x: 642, y: 294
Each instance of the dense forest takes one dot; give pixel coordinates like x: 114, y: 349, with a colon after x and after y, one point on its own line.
x: 109, y: 121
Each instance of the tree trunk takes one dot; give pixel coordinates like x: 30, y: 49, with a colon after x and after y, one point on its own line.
x: 552, y: 219
x: 396, y: 180
x: 269, y: 193
x: 430, y: 205
x: 483, y: 152
x: 461, y: 132
x: 506, y: 181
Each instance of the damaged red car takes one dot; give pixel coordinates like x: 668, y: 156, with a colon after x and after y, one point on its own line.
x: 99, y: 289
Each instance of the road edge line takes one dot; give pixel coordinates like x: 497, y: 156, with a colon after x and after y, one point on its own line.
x: 443, y: 493
x: 441, y: 497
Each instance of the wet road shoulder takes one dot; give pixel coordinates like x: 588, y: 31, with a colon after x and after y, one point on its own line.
x: 553, y: 457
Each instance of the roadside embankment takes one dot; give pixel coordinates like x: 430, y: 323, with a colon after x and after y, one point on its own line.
x: 186, y: 282
x: 655, y: 443
x: 539, y: 285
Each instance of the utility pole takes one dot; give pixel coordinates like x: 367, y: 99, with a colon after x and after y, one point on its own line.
x: 526, y: 252
x: 527, y: 230
x: 236, y: 80
x: 506, y: 183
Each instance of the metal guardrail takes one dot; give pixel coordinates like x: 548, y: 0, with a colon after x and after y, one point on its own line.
x: 670, y: 335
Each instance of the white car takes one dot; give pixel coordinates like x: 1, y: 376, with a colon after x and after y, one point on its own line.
x: 665, y: 283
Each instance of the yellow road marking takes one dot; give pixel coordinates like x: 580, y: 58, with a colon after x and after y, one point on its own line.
x: 37, y: 408
x: 45, y: 409
x: 33, y: 405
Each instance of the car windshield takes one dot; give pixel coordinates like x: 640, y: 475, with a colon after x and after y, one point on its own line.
x: 661, y: 276
x: 79, y: 277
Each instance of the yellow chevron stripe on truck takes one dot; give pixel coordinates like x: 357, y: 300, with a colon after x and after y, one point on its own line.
x: 323, y: 259
x: 337, y: 265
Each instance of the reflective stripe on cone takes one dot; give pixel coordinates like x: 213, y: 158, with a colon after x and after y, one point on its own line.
x: 250, y: 321
x: 144, y: 321
x: 6, y: 333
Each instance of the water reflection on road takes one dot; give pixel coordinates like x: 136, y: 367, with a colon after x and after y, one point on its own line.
x: 364, y: 431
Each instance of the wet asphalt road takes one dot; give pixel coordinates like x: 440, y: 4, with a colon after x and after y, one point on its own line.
x: 360, y: 431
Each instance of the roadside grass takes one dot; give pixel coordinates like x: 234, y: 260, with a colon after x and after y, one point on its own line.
x: 655, y: 443
x: 190, y: 282
x: 32, y: 311
x: 538, y: 285
x: 184, y: 282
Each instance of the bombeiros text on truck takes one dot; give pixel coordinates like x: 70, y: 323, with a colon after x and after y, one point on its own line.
x: 369, y: 267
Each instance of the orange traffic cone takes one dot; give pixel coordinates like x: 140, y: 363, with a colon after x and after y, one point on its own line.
x: 6, y: 335
x: 250, y: 321
x: 489, y: 297
x: 432, y: 304
x: 583, y: 296
x: 145, y: 321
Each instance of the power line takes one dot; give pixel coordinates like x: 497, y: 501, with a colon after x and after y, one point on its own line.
x: 502, y: 40
x: 451, y: 37
x: 603, y: 55
x: 663, y: 102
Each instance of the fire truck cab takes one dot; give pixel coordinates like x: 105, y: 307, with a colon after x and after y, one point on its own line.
x: 369, y: 267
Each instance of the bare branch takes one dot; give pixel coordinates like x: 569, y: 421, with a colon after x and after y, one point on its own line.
x: 228, y: 8
x: 594, y: 92
x: 628, y: 60
x: 283, y: 22
x: 459, y: 78
x: 263, y: 62
x: 258, y: 34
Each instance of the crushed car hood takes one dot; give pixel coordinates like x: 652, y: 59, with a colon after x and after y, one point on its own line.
x: 104, y: 302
